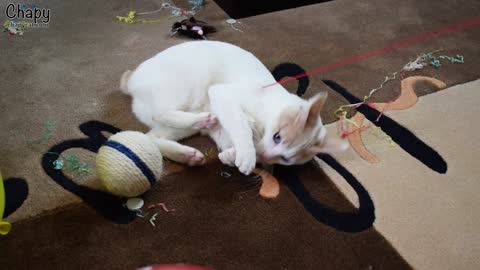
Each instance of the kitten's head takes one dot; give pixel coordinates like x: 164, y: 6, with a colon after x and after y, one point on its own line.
x: 297, y: 134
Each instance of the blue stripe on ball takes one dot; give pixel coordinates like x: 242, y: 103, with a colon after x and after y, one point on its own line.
x: 133, y: 157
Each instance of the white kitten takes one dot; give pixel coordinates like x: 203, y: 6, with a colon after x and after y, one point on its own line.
x: 189, y: 88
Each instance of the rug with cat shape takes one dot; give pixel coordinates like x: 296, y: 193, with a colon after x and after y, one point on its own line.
x: 40, y: 92
x: 296, y: 182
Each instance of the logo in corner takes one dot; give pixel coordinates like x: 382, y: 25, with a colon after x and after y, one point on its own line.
x: 22, y: 16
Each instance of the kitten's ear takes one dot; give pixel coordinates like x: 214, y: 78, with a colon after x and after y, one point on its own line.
x: 331, y: 145
x: 315, y: 106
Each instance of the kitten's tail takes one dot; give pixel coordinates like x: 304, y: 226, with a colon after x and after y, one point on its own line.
x: 124, y: 81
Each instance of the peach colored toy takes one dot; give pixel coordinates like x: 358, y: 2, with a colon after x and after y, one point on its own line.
x: 270, y: 187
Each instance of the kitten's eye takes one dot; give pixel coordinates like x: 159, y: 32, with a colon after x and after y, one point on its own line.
x: 284, y: 158
x: 277, y: 138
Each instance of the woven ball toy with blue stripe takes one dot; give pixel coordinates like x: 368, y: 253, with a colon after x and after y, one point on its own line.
x: 129, y: 164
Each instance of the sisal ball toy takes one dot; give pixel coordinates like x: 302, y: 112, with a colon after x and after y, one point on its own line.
x: 129, y: 163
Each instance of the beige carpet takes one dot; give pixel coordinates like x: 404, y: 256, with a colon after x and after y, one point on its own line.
x: 69, y: 72
x: 432, y: 219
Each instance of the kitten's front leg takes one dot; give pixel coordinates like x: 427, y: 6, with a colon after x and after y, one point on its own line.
x: 227, y: 156
x: 224, y: 144
x: 231, y: 116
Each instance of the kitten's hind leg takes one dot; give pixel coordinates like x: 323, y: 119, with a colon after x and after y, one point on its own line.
x: 186, y: 120
x: 165, y: 138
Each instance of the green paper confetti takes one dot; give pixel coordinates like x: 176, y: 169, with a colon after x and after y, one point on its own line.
x: 69, y: 163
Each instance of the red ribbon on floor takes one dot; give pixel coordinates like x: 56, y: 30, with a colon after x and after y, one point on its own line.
x: 401, y: 44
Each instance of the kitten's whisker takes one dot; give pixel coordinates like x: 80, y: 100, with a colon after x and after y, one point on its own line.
x: 250, y: 188
x: 247, y: 192
x: 251, y: 184
x: 243, y: 185
x: 255, y: 178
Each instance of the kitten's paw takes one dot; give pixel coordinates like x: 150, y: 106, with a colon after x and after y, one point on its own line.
x: 194, y: 158
x: 245, y: 161
x: 207, y: 121
x: 227, y: 157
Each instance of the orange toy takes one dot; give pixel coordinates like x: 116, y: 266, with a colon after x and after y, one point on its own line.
x: 270, y: 187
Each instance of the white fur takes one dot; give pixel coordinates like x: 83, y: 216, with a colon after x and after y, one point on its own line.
x: 187, y: 88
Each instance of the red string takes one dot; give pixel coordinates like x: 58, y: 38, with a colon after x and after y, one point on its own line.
x: 348, y: 133
x: 401, y: 44
x: 383, y: 109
